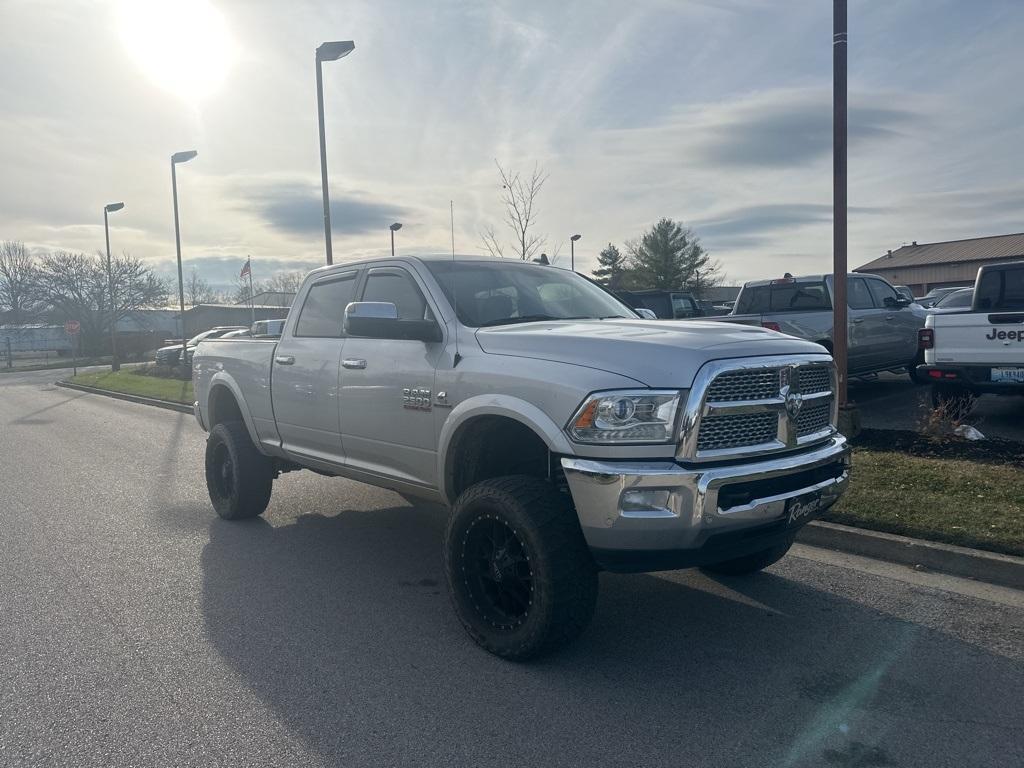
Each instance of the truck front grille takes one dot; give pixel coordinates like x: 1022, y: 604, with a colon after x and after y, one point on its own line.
x: 753, y: 407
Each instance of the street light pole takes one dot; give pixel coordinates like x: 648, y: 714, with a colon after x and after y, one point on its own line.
x: 179, y: 157
x: 572, y: 251
x: 327, y: 52
x: 839, y: 318
x: 107, y: 209
x: 394, y: 228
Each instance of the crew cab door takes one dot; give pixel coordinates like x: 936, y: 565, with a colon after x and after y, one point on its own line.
x: 866, y: 328
x: 898, y: 334
x: 387, y: 388
x: 304, y: 384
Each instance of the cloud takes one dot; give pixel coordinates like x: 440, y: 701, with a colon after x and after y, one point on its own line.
x: 297, y: 209
x: 750, y: 225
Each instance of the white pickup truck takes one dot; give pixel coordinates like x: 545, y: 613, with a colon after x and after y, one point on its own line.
x: 980, y: 349
x: 565, y: 434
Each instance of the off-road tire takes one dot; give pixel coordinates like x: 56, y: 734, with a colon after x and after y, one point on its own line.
x: 957, y: 400
x: 238, y: 477
x: 752, y: 563
x: 916, y: 377
x: 539, y: 523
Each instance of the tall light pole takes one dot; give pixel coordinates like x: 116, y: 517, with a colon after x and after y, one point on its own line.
x: 394, y: 228
x: 327, y: 52
x: 572, y: 251
x: 107, y: 209
x: 179, y: 157
x: 839, y: 318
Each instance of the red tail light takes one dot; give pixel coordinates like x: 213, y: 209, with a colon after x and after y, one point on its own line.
x: 926, y: 338
x: 771, y: 326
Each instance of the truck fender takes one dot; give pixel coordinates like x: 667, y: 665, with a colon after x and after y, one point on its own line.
x: 224, y: 379
x: 496, y: 405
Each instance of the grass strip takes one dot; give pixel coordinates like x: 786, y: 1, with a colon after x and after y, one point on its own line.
x: 132, y: 383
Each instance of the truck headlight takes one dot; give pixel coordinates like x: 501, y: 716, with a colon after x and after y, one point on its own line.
x: 627, y: 416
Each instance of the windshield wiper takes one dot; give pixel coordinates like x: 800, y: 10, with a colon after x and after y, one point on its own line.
x: 530, y: 319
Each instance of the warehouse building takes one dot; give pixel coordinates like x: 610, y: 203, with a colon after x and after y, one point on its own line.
x: 948, y: 264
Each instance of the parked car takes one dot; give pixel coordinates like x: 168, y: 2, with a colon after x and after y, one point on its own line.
x: 957, y: 301
x: 666, y: 305
x: 566, y: 434
x: 882, y: 325
x: 981, y: 350
x: 935, y: 294
x: 171, y: 354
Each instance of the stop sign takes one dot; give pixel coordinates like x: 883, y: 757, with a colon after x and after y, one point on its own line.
x: 72, y: 326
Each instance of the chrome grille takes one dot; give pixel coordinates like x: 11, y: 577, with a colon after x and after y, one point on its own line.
x: 813, y: 418
x: 736, y: 386
x: 718, y: 432
x: 756, y: 406
x: 816, y: 378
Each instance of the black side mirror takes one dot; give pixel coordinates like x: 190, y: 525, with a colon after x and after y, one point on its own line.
x: 897, y: 303
x: 379, y: 320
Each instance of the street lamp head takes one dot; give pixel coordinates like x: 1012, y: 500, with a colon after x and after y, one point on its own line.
x: 111, y: 207
x: 335, y: 50
x: 183, y: 157
x: 395, y: 227
x: 574, y: 238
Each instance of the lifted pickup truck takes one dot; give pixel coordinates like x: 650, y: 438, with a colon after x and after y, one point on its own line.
x: 565, y: 434
x: 882, y: 324
x: 980, y: 349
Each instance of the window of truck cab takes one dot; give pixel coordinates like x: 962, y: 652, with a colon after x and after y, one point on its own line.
x: 1001, y: 290
x: 323, y: 311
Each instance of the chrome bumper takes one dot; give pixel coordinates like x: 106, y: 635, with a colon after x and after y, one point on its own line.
x: 662, y: 507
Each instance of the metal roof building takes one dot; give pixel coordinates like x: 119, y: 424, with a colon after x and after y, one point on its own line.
x: 939, y: 265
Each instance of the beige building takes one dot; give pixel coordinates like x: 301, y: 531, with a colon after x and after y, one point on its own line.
x: 939, y: 265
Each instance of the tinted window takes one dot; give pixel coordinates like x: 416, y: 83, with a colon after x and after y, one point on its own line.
x: 323, y: 312
x: 1002, y: 290
x: 397, y: 287
x: 659, y: 305
x: 682, y: 306
x: 956, y: 299
x: 753, y: 300
x: 881, y: 291
x: 858, y: 296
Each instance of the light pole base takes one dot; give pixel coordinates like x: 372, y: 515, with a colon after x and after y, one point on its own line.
x: 849, y: 421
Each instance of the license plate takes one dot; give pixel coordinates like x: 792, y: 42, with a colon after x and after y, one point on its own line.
x: 802, y: 507
x: 1008, y: 374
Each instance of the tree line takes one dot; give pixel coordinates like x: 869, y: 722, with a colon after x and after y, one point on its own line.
x: 668, y: 256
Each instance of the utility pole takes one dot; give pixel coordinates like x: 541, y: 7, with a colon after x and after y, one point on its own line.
x: 839, y: 265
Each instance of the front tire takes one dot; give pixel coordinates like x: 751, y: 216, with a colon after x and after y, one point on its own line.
x: 238, y: 476
x: 521, y: 577
x: 752, y: 563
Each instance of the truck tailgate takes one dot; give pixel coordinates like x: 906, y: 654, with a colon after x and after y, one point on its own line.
x: 978, y: 338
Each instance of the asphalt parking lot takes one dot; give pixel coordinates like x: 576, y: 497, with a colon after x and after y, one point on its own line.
x: 892, y: 401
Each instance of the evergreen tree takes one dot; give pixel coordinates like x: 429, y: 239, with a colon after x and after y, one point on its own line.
x: 612, y: 267
x: 669, y: 256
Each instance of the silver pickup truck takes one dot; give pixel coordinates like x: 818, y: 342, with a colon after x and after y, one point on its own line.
x: 882, y: 323
x: 565, y: 434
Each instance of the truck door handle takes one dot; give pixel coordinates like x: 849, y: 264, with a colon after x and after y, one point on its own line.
x: 352, y: 362
x: 284, y: 360
x: 858, y: 319
x: 889, y: 317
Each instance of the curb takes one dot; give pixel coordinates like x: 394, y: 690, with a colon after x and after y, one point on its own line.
x: 167, y: 404
x: 990, y: 567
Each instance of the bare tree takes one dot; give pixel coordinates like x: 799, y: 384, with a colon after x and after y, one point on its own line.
x: 286, y: 282
x: 17, y: 282
x: 197, y: 290
x: 73, y: 286
x: 519, y: 199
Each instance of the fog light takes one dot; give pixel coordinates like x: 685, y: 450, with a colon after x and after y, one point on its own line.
x: 645, y: 500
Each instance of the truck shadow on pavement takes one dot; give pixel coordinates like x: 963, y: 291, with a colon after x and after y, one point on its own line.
x: 342, y: 626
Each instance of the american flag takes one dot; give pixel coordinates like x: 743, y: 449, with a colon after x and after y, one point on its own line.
x: 245, y: 269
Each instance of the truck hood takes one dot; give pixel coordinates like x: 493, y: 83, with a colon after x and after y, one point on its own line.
x: 657, y: 353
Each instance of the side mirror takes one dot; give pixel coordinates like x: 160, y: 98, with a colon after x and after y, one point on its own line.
x: 897, y: 303
x: 646, y: 314
x: 379, y: 320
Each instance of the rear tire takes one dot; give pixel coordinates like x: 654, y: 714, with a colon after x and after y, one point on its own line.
x: 916, y: 377
x: 521, y: 577
x: 238, y: 477
x: 742, y: 566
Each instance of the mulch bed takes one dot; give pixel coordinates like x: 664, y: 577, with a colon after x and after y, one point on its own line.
x: 988, y: 451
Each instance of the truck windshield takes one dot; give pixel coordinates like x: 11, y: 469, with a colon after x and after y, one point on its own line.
x: 498, y: 293
x: 1001, y: 290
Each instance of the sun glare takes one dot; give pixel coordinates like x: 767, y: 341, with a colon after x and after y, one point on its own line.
x: 183, y: 46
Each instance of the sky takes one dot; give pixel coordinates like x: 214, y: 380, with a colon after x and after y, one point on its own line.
x: 713, y: 112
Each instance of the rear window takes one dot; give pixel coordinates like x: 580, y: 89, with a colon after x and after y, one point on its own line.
x: 1001, y: 290
x: 782, y: 297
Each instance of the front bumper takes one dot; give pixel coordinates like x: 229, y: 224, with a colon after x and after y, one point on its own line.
x: 646, y: 516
